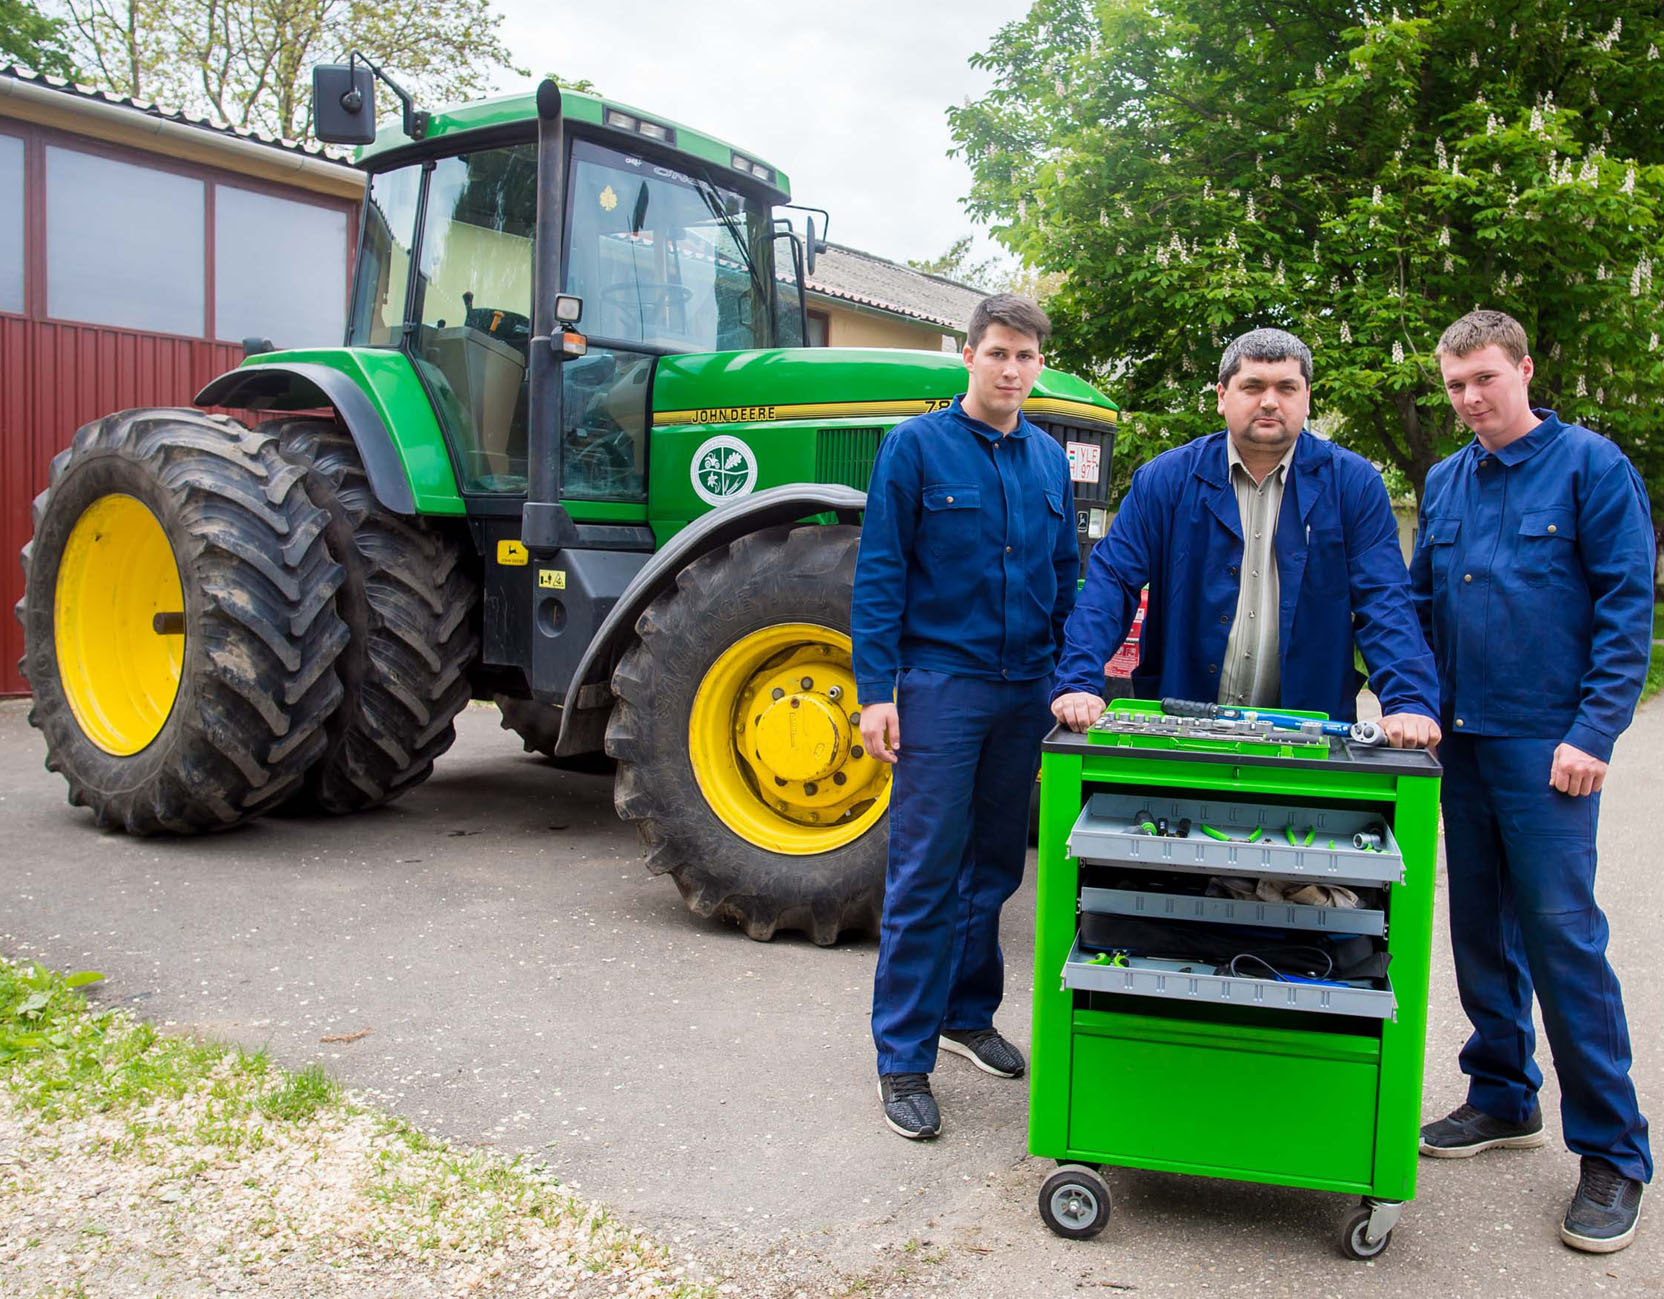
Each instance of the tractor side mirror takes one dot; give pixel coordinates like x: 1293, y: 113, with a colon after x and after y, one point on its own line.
x: 344, y: 103
x: 811, y: 246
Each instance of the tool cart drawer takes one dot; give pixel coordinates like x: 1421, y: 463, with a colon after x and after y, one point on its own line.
x: 1143, y: 976
x: 1322, y: 849
x: 1275, y: 1105
x: 1150, y: 905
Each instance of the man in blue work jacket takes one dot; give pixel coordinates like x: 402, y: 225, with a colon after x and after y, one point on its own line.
x: 1267, y: 552
x: 1533, y: 576
x: 966, y: 572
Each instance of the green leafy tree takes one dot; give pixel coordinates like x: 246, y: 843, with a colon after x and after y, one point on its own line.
x: 583, y: 85
x: 32, y: 39
x: 1357, y: 172
x: 959, y: 265
x: 248, y: 63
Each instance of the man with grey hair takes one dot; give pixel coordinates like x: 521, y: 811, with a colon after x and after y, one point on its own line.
x: 1268, y: 553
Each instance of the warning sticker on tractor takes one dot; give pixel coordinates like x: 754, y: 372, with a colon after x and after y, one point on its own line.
x: 512, y: 553
x: 1084, y: 461
x: 552, y: 579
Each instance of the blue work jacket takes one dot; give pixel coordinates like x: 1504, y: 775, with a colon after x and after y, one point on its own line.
x: 1340, y: 572
x: 1532, y: 575
x: 968, y: 561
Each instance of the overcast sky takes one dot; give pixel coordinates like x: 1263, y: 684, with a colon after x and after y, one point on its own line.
x: 847, y: 97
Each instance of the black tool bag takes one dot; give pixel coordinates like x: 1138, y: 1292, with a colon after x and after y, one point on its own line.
x: 1238, y: 949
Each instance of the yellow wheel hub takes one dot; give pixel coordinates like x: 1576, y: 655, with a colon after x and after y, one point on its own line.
x: 119, y: 614
x: 776, y: 743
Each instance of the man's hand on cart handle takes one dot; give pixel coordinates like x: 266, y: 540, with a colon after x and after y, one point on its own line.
x: 1410, y: 731
x: 1079, y: 710
x: 881, y: 731
x: 1575, y: 772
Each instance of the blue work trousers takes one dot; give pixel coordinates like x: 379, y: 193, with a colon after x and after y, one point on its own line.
x: 958, y: 839
x: 1523, y: 918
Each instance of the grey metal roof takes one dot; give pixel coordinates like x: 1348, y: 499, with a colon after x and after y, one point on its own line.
x: 852, y: 276
x: 76, y: 91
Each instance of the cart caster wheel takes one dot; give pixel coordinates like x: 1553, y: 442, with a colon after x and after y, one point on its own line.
x: 1074, y: 1202
x: 1354, y: 1237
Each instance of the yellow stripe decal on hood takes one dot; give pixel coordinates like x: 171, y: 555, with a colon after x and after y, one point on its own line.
x: 1076, y: 410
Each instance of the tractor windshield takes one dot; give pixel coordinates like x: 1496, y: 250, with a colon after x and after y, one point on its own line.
x: 666, y: 261
x: 664, y: 258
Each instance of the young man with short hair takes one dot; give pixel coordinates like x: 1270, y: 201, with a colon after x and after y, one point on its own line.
x: 1267, y: 553
x: 967, y: 570
x: 1533, y: 577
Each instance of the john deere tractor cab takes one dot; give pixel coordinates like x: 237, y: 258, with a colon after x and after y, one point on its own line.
x: 575, y: 460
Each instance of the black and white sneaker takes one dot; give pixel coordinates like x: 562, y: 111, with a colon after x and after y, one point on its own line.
x: 1605, y: 1211
x: 986, y: 1049
x: 909, y: 1108
x: 1466, y: 1131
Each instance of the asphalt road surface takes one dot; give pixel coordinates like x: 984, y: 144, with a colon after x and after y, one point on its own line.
x: 528, y: 987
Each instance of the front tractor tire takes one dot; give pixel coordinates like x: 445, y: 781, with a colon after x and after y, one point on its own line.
x: 179, y: 620
x: 408, y: 601
x: 736, y: 730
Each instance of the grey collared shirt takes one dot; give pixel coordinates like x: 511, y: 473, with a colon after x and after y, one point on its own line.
x: 1252, y: 677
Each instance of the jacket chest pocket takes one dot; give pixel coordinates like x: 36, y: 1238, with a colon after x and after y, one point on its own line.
x: 1326, y: 567
x: 1546, y: 554
x: 1055, y: 517
x: 1440, y: 541
x: 952, y: 517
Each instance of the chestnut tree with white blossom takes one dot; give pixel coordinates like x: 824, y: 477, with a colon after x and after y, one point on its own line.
x: 1359, y: 173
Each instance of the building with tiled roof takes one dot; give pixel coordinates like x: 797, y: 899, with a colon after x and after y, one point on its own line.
x: 859, y: 300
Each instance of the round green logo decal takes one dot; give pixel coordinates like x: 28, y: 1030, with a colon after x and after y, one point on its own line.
x: 723, y: 468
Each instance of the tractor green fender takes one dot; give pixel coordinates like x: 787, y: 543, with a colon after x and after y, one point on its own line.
x: 300, y: 385
x: 723, y: 525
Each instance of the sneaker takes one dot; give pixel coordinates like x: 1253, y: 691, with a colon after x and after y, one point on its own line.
x: 1466, y: 1131
x: 986, y: 1049
x: 909, y: 1108
x: 1603, y: 1214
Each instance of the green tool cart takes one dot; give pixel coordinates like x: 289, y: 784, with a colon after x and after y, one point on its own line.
x: 1168, y: 844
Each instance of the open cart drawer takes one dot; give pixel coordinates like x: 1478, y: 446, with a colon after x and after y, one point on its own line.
x: 1305, y: 843
x: 1142, y: 976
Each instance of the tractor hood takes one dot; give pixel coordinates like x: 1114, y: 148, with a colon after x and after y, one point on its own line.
x: 831, y: 382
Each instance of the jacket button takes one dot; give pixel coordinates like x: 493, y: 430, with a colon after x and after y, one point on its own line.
x: 1458, y: 721
x: 1552, y: 528
x: 1224, y: 618
x: 950, y: 500
x: 1232, y: 570
x: 1467, y: 577
x: 1008, y: 550
x: 1213, y: 667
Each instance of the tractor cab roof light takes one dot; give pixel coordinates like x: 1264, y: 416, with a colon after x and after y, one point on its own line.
x: 757, y: 169
x: 623, y: 121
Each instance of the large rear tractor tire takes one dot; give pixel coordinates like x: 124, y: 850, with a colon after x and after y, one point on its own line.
x: 180, y: 631
x: 736, y: 730
x: 408, y: 601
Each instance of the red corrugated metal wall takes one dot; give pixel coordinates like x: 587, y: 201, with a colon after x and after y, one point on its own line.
x: 55, y: 377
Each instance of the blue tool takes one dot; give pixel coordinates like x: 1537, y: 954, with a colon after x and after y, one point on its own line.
x: 1365, y: 733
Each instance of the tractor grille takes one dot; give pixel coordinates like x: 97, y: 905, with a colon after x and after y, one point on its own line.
x: 1089, y: 496
x: 845, y: 455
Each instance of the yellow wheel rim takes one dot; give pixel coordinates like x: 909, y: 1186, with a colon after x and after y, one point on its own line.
x: 776, y: 746
x: 119, y: 614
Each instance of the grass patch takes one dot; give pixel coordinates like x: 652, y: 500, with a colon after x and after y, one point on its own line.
x: 274, y: 1168
x: 301, y: 1095
x: 1655, y: 672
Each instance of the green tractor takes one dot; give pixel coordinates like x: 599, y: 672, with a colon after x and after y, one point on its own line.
x: 639, y: 540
